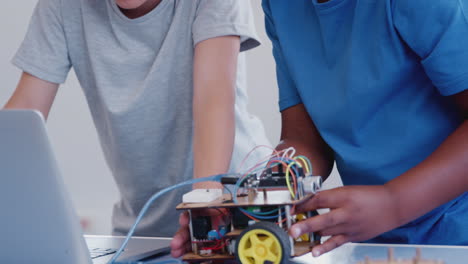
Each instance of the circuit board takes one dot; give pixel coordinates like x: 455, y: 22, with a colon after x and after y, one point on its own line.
x: 259, y: 198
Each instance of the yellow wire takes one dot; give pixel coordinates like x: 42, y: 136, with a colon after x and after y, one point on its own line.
x: 305, y: 163
x: 287, y: 179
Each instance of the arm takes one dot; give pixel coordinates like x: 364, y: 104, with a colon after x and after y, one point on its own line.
x: 215, y: 67
x: 33, y: 93
x: 363, y: 212
x: 443, y: 174
x: 297, y: 128
x: 299, y: 131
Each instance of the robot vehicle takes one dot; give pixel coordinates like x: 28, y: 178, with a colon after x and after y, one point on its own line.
x: 250, y: 224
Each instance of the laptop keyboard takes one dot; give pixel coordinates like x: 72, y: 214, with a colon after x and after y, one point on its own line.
x: 101, y: 252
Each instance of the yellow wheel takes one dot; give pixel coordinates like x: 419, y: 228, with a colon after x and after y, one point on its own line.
x: 263, y: 243
x: 304, y: 237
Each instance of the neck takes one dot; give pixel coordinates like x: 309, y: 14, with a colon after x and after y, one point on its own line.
x: 141, y: 10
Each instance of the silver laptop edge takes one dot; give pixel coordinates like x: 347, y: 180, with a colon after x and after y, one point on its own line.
x: 28, y: 234
x: 38, y: 223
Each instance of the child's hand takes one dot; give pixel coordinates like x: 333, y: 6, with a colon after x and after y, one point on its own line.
x: 180, y: 244
x: 181, y: 241
x: 357, y: 213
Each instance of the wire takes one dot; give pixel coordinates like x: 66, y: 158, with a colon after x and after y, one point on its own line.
x: 291, y: 172
x: 220, y: 243
x: 151, y: 200
x: 265, y: 213
x: 307, y: 163
x: 288, y: 171
x: 227, y: 189
x: 255, y: 168
x: 286, y: 152
x: 288, y: 182
x: 252, y: 151
x: 221, y: 213
x: 260, y: 217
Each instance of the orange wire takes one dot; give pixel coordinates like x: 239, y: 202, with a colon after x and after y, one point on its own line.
x: 282, y: 221
x: 251, y: 217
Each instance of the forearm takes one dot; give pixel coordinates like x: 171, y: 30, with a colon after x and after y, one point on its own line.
x: 33, y: 93
x: 214, y: 128
x: 299, y: 131
x: 440, y: 178
x: 215, y: 70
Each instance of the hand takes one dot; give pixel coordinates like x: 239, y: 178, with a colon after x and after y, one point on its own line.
x: 357, y: 213
x: 180, y: 244
x: 181, y: 241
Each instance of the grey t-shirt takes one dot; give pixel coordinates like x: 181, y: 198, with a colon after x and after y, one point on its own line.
x: 136, y: 75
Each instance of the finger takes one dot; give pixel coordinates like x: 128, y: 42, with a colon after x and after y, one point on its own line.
x: 330, y: 244
x: 188, y: 247
x: 184, y: 219
x: 304, y: 199
x: 180, y: 238
x: 332, y: 199
x: 176, y: 253
x: 336, y: 230
x: 318, y: 223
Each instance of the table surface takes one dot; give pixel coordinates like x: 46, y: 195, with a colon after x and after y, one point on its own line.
x: 353, y: 253
x: 116, y: 241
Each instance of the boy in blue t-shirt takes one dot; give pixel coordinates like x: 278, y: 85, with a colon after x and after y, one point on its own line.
x: 380, y: 88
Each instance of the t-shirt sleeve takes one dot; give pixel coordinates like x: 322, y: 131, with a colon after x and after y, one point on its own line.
x: 288, y: 94
x: 437, y: 31
x: 216, y: 18
x: 44, y: 52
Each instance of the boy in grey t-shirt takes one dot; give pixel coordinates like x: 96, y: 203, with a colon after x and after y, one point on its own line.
x: 165, y: 86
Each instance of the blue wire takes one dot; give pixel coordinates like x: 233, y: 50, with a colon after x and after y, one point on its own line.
x: 239, y: 182
x: 151, y: 200
x: 264, y: 213
x: 261, y: 217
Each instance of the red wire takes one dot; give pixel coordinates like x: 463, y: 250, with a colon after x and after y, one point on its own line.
x: 217, y: 246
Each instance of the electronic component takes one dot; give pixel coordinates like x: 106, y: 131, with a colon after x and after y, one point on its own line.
x: 267, y: 179
x: 222, y: 231
x: 311, y: 184
x: 239, y: 220
x: 201, y: 227
x: 202, y: 195
x: 206, y: 252
x: 231, y: 247
x: 213, y: 235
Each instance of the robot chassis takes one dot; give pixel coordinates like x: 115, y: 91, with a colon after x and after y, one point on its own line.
x: 236, y: 237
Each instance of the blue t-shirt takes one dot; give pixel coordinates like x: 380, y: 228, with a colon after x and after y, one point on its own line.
x: 374, y: 76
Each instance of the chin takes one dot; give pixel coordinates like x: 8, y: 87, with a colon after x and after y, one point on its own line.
x: 129, y: 4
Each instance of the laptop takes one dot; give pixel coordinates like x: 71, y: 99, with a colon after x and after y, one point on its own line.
x: 38, y: 223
